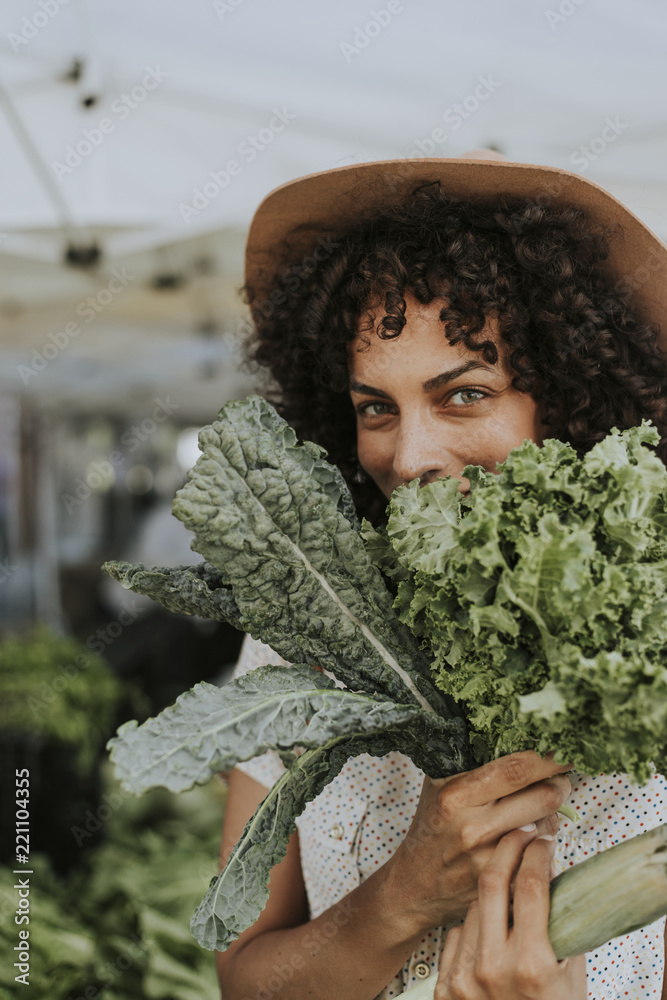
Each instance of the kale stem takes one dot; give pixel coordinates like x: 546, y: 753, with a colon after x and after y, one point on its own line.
x: 569, y: 813
x: 547, y: 638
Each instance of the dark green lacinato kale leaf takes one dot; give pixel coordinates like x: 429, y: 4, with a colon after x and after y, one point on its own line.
x: 286, y: 562
x: 276, y: 520
x: 543, y: 597
x: 211, y: 729
x: 237, y: 896
x: 185, y: 590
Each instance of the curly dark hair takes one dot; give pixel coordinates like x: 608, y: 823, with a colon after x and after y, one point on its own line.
x: 574, y: 342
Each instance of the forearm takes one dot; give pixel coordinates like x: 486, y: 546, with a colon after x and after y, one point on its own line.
x: 351, y: 950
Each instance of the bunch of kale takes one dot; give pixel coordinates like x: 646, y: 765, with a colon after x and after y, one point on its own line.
x: 543, y: 599
x: 538, y: 602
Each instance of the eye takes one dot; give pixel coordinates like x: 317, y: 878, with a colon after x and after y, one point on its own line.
x: 374, y: 409
x: 467, y: 396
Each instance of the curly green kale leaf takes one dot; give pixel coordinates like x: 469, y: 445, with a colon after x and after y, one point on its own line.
x: 543, y: 597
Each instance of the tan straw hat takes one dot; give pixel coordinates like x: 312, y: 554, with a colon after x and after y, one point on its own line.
x: 326, y: 203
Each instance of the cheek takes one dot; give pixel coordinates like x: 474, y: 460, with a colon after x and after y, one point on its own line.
x: 375, y: 453
x: 517, y: 424
x: 529, y: 422
x: 368, y: 450
x: 490, y: 441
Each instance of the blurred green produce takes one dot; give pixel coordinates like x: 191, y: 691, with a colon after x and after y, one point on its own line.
x: 59, y: 704
x: 118, y: 925
x: 54, y: 687
x: 114, y: 878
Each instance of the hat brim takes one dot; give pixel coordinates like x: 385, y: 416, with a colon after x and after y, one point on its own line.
x: 328, y: 202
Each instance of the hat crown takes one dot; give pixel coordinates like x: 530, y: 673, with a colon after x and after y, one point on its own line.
x: 294, y: 218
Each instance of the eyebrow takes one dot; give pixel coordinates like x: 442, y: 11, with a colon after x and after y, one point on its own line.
x: 430, y: 384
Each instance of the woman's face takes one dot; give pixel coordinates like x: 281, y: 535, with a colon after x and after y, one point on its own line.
x: 426, y: 409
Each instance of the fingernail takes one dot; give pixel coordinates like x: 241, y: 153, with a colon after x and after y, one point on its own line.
x: 529, y: 827
x: 546, y: 836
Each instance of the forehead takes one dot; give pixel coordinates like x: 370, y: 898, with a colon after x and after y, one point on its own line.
x: 421, y: 345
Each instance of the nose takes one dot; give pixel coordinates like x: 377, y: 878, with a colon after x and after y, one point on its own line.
x: 421, y: 453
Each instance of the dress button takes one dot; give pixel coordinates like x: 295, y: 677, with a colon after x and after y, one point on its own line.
x: 337, y: 832
x: 422, y: 970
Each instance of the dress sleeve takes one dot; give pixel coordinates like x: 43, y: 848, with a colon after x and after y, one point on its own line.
x: 267, y: 768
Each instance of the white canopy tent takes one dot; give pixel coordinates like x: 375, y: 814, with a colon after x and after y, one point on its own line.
x: 139, y: 137
x: 121, y: 119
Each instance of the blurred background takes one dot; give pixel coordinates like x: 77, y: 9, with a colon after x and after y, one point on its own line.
x: 137, y: 140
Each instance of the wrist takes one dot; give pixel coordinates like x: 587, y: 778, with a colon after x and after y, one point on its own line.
x: 402, y: 901
x: 425, y: 898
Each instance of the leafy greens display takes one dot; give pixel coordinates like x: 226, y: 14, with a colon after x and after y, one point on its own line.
x: 538, y: 599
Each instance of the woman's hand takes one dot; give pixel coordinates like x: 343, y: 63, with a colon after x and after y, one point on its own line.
x: 458, y: 823
x: 487, y: 960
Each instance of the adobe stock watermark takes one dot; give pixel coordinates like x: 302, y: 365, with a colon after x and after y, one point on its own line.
x: 295, y: 274
x: 92, y: 822
x: 313, y: 942
x: 109, y: 972
x: 248, y: 149
x: 364, y: 34
x: 102, y: 472
x: 6, y: 570
x: 31, y: 26
x: 122, y: 107
x: 584, y: 155
x: 292, y: 278
x: 224, y: 7
x: 625, y: 287
x: 565, y: 10
x: 88, y: 309
x: 629, y: 282
x: 455, y: 116
x: 96, y: 642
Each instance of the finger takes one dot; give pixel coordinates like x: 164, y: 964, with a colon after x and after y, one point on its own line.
x: 461, y: 973
x: 565, y: 767
x: 548, y: 824
x: 530, y: 804
x: 531, y: 895
x: 447, y: 959
x: 576, y: 973
x: 503, y: 777
x: 470, y: 932
x: 450, y: 949
x: 494, y: 887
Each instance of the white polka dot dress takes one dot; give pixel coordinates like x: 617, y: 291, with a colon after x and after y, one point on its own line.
x: 357, y: 822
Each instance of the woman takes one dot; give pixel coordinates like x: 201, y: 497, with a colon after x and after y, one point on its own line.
x: 418, y: 317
